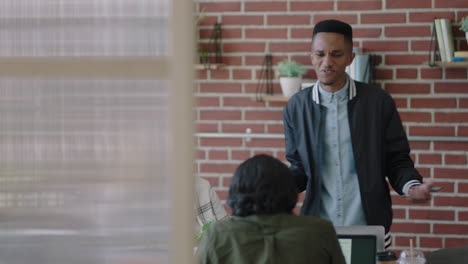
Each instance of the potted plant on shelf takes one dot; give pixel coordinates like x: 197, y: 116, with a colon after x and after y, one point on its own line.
x: 200, y: 50
x: 290, y: 73
x: 464, y: 26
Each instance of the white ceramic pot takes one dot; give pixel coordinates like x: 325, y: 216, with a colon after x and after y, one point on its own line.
x: 290, y: 85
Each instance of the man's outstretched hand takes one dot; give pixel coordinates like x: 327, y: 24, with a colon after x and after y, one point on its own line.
x: 420, y: 193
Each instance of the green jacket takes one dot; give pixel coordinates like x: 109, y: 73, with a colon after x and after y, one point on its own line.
x: 270, y: 239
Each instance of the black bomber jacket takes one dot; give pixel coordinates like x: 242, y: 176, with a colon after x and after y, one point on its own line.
x: 379, y: 143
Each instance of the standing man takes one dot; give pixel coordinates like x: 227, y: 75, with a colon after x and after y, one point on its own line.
x: 344, y: 137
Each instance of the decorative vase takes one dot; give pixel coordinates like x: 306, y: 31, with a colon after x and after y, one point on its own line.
x: 290, y: 85
x: 466, y: 36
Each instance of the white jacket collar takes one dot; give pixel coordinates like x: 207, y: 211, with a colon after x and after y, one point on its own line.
x: 352, y: 90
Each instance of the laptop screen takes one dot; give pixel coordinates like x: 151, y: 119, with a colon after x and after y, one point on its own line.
x: 377, y: 231
x: 358, y: 249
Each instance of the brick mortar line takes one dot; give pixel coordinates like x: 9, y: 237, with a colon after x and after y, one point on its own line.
x: 427, y: 96
x: 207, y: 161
x: 306, y: 54
x: 459, y: 195
x: 217, y: 162
x: 279, y: 108
x: 431, y: 222
x: 444, y: 96
x: 441, y: 125
x: 276, y: 81
x: 437, y: 180
x: 443, y: 139
x: 417, y: 221
x: 441, y: 166
x: 307, y: 39
x: 405, y: 11
x: 441, y: 110
x: 420, y: 67
x: 459, y: 152
x: 419, y: 166
x: 447, y: 110
x: 255, y: 122
x: 444, y: 110
x: 240, y: 107
x: 423, y: 96
x: 213, y: 174
x: 394, y: 95
x: 426, y: 208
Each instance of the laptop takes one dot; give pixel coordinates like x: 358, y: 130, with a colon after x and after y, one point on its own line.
x: 358, y: 249
x: 377, y: 231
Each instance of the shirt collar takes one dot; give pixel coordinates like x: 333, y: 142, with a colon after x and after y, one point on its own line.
x: 340, y: 95
x: 349, y: 88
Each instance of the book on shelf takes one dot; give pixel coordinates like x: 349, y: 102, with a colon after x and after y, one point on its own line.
x: 461, y: 54
x: 440, y: 40
x: 444, y: 39
x: 360, y: 68
x: 447, y: 34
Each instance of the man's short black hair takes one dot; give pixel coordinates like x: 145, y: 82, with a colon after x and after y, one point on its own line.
x: 262, y: 185
x: 334, y: 26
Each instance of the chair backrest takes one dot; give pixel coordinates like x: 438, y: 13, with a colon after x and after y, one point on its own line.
x: 455, y: 255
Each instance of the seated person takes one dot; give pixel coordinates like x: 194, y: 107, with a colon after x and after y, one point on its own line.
x: 207, y: 205
x: 264, y: 229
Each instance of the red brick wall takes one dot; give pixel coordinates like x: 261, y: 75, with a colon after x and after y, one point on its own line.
x: 432, y: 101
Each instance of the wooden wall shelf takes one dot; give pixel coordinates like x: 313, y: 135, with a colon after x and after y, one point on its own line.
x: 211, y: 66
x: 451, y: 64
x: 273, y: 98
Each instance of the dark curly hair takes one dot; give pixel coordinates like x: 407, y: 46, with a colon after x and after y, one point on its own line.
x: 262, y: 185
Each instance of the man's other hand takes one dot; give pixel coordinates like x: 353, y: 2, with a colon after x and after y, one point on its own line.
x: 420, y: 193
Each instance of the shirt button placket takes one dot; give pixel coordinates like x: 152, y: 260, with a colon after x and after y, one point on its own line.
x: 340, y: 190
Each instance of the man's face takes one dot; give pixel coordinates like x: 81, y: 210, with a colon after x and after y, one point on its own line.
x: 330, y: 56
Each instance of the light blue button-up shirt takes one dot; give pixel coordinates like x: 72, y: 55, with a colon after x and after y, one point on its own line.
x: 340, y: 197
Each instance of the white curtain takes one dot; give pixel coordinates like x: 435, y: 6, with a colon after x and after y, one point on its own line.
x: 84, y: 162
